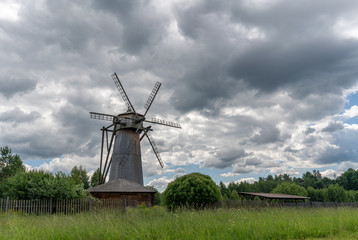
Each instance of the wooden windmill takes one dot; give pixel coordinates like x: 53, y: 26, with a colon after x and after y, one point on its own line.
x: 126, y: 132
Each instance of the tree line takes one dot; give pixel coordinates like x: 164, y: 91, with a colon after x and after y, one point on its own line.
x: 322, y: 189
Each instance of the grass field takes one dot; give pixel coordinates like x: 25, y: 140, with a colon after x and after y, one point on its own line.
x: 157, y: 223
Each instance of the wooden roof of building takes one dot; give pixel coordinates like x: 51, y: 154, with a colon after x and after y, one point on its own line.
x: 273, y: 196
x: 121, y: 185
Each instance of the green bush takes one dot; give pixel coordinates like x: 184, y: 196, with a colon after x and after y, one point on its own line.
x: 290, y: 188
x: 41, y: 185
x: 194, y: 190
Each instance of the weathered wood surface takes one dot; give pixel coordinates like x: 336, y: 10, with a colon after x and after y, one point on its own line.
x: 130, y: 166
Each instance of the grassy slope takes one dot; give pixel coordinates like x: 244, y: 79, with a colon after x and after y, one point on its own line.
x: 157, y: 223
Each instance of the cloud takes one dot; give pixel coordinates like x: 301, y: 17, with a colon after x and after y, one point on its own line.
x: 16, y: 115
x: 351, y: 113
x: 13, y: 85
x: 329, y: 173
x: 225, y: 157
x: 333, y: 126
x: 141, y: 25
x: 160, y: 183
x: 248, y: 180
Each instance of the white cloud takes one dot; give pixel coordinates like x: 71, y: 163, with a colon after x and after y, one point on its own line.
x: 160, y: 183
x: 329, y: 173
x: 248, y: 180
x: 351, y: 113
x: 9, y: 10
x: 67, y: 162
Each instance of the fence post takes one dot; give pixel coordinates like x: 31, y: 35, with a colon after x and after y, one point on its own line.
x: 90, y: 204
x: 7, y: 204
x: 125, y: 205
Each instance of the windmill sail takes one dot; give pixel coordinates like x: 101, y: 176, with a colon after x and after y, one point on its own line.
x: 163, y: 122
x: 122, y: 92
x: 152, y: 96
x: 155, y: 149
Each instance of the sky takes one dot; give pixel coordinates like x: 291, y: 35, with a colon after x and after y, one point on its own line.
x: 259, y: 86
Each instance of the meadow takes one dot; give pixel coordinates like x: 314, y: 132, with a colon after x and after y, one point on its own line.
x: 157, y: 223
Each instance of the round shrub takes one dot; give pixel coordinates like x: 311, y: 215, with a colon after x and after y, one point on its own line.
x: 193, y: 190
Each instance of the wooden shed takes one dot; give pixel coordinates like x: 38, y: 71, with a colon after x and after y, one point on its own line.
x: 273, y: 196
x: 133, y: 193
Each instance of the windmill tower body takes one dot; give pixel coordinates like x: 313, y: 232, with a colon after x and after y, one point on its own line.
x: 129, y: 168
x: 126, y: 161
x: 126, y: 156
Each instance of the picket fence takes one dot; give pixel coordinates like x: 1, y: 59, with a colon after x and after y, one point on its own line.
x: 70, y: 206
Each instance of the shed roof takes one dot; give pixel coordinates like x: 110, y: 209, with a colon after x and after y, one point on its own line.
x: 121, y: 185
x: 273, y: 196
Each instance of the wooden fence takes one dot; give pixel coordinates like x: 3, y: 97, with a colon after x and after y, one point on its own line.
x: 263, y: 204
x: 70, y: 206
x: 73, y: 206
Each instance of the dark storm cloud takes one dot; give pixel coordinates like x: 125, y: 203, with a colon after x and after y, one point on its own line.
x: 289, y: 149
x: 333, y: 126
x: 309, y: 130
x: 202, y: 87
x: 268, y: 66
x: 16, y: 115
x: 140, y: 24
x: 9, y: 86
x: 298, y: 50
x: 337, y: 156
x: 345, y: 150
x: 268, y: 134
x: 225, y: 158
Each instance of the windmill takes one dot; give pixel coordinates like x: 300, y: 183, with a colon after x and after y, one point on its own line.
x: 127, y: 130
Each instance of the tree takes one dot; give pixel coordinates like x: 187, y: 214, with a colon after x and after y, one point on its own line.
x: 95, y: 178
x: 349, y: 179
x: 223, y: 188
x: 157, y: 195
x: 335, y: 193
x: 290, y: 188
x: 41, y: 185
x: 9, y: 164
x: 312, y: 180
x: 193, y: 190
x: 79, y: 176
x: 266, y: 185
x: 234, y: 195
x: 315, y: 195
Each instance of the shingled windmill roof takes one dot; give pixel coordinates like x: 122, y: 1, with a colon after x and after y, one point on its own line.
x: 121, y: 185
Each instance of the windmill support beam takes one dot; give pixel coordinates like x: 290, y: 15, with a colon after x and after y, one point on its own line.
x: 101, y: 158
x: 105, y: 169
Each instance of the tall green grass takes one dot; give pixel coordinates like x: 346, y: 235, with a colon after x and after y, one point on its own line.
x: 157, y: 223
